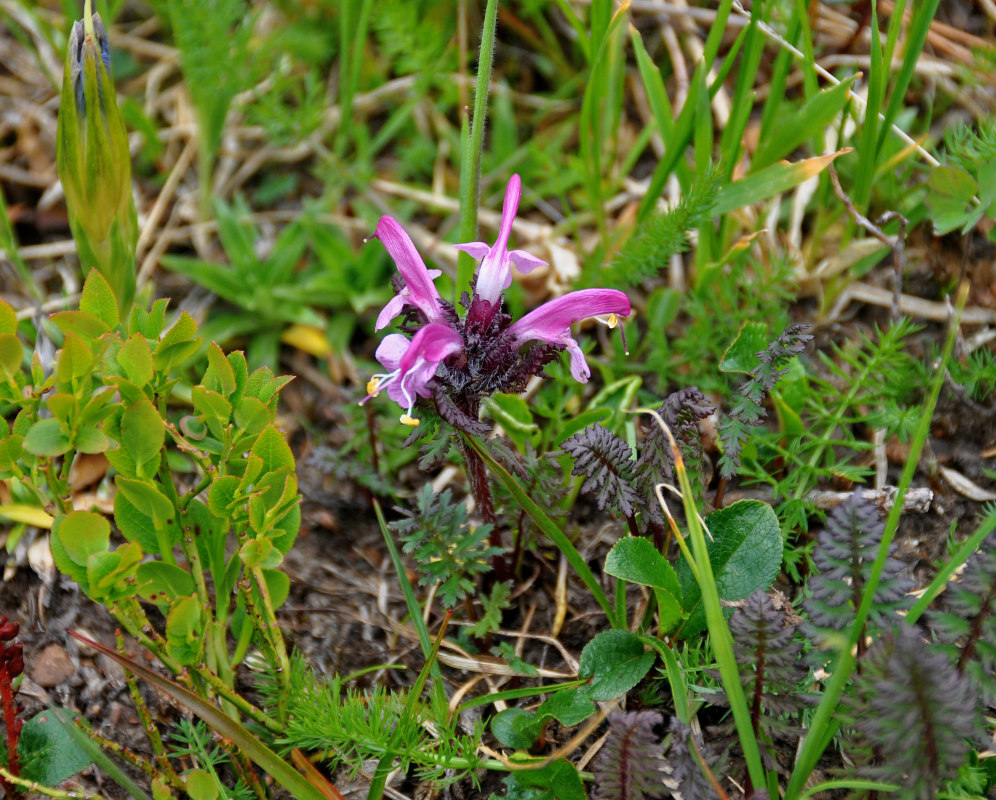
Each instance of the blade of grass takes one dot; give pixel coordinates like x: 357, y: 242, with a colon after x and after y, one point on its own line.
x: 770, y: 181
x: 100, y: 758
x: 515, y: 694
x: 923, y: 15
x: 675, y: 677
x: 818, y: 736
x: 600, y: 106
x: 743, y: 97
x: 547, y: 525
x: 961, y: 555
x: 379, y: 782
x: 263, y: 756
x: 414, y: 609
x: 719, y: 630
x: 352, y: 39
x: 808, y: 121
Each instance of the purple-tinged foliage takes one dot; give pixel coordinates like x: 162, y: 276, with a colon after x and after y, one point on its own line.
x: 605, y: 461
x: 965, y: 621
x: 681, y: 412
x: 686, y: 755
x: 631, y: 765
x: 773, y: 672
x: 628, y: 486
x: 843, y: 558
x: 748, y: 410
x: 916, y: 713
x: 485, y: 351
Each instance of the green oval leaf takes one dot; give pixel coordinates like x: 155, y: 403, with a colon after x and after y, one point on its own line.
x: 745, y: 553
x: 185, y: 630
x: 516, y: 728
x: 615, y: 661
x: 46, y: 438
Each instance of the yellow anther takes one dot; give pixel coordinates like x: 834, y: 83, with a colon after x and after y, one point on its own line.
x: 410, y: 421
x: 373, y: 386
x: 612, y: 321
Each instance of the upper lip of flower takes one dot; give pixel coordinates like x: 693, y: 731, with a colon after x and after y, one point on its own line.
x: 419, y: 291
x: 495, y: 273
x: 551, y: 322
x: 413, y: 363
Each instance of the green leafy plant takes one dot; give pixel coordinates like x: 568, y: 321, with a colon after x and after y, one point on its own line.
x: 448, y: 551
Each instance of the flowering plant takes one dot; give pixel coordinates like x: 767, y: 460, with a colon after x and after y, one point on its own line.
x: 94, y: 162
x: 457, y: 360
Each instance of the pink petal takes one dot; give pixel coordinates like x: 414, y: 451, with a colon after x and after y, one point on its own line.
x: 552, y: 319
x: 394, y: 307
x: 579, y: 366
x: 508, y: 210
x: 525, y: 262
x: 421, y: 290
x: 476, y: 249
x: 391, y: 349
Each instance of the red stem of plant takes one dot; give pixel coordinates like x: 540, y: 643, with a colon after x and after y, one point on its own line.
x: 477, y: 472
x: 13, y: 729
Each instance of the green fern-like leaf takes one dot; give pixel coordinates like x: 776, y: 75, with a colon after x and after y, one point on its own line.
x: 648, y: 250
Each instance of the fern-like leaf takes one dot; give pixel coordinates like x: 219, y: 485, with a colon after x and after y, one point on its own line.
x: 686, y: 754
x: 664, y: 234
x: 681, y: 410
x: 843, y: 557
x: 915, y: 711
x: 965, y: 622
x: 748, y: 409
x: 605, y: 461
x: 631, y: 763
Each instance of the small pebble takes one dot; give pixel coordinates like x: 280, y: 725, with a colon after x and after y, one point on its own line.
x: 52, y: 667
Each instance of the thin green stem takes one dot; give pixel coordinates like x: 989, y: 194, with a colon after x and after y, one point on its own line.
x: 816, y: 740
x: 470, y: 165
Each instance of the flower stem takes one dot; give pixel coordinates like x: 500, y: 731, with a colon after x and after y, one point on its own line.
x: 470, y: 163
x: 477, y: 473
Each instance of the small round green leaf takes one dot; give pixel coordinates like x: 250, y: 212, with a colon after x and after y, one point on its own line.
x: 46, y: 438
x: 615, y: 661
x: 516, y: 728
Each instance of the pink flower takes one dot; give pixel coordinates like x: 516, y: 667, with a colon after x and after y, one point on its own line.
x: 419, y: 289
x: 412, y: 364
x: 495, y: 273
x: 552, y: 321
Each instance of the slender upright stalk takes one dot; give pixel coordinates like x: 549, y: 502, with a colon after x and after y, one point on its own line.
x: 470, y: 163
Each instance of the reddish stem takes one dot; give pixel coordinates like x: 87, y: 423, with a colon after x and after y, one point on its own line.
x: 477, y: 472
x: 12, y: 724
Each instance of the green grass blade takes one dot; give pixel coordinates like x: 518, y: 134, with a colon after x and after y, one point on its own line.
x: 719, y: 629
x: 545, y: 524
x: 816, y: 739
x: 743, y: 96
x: 923, y: 15
x: 808, y: 121
x: 770, y: 181
x: 414, y: 609
x: 675, y: 677
x: 878, y: 73
x: 282, y: 772
x: 100, y: 758
x: 961, y: 555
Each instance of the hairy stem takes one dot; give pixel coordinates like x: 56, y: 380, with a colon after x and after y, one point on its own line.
x: 477, y: 473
